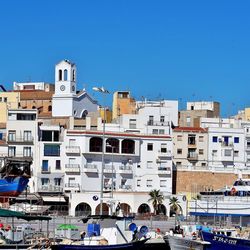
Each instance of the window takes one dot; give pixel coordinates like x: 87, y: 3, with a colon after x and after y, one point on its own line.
x: 51, y: 150
x: 162, y: 118
x: 57, y: 181
x: 179, y: 151
x: 27, y: 136
x: 12, y: 135
x: 58, y: 164
x: 201, y: 151
x: 203, y: 164
x: 161, y: 131
x: 179, y: 137
x: 27, y: 151
x: 215, y: 139
x: 163, y: 183
x: 132, y: 123
x: 150, y: 146
x: 236, y: 139
x: 65, y: 75
x: 227, y: 152
x: 201, y: 138
x: 178, y: 163
x: 45, y: 166
x: 149, y: 164
x: 45, y: 181
x: 5, y: 99
x: 214, y: 153
x: 12, y: 151
x: 163, y: 148
x: 60, y: 75
x: 1, y: 99
x: 155, y: 132
x: 49, y: 108
x: 191, y: 139
x: 151, y: 120
x: 236, y: 153
x: 149, y: 183
x: 138, y: 182
x: 188, y: 120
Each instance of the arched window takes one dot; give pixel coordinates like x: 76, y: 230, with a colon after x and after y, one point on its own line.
x: 65, y: 75
x: 49, y: 108
x: 73, y: 75
x: 82, y: 209
x: 95, y: 144
x: 128, y: 146
x: 144, y: 208
x: 112, y: 145
x: 60, y: 75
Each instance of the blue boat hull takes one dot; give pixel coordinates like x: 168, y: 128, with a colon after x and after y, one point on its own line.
x: 129, y: 246
x: 222, y: 242
x: 13, y: 186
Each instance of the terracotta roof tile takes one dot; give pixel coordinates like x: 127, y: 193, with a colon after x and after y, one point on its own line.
x: 35, y: 95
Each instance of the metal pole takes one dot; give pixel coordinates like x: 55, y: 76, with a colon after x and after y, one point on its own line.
x: 103, y: 148
x: 112, y: 186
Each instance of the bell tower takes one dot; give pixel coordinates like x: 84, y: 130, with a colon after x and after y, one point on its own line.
x: 65, y: 89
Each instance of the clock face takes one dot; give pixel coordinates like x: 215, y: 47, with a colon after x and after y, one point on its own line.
x: 62, y: 87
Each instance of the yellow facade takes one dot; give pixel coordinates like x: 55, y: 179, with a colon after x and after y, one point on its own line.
x: 247, y: 114
x: 108, y: 115
x: 8, y: 100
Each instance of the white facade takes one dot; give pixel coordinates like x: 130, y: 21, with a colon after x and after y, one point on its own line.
x: 226, y: 147
x: 22, y: 137
x: 32, y: 86
x: 202, y: 105
x: 152, y: 118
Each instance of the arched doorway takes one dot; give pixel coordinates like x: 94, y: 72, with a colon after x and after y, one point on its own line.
x: 83, y: 209
x: 162, y: 209
x: 105, y: 209
x: 126, y: 209
x: 144, y: 209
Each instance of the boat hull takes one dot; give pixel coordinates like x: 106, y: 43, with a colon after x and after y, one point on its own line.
x: 180, y: 243
x: 13, y: 186
x: 222, y: 242
x: 129, y: 246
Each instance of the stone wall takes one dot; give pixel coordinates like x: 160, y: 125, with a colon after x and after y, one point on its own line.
x: 196, y: 181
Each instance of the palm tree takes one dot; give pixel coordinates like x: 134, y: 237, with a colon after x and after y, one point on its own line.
x: 175, y: 205
x: 156, y: 197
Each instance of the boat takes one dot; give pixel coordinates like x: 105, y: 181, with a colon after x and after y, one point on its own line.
x: 107, y: 232
x: 224, y: 239
x: 14, y: 176
x: 226, y: 203
x: 186, y: 237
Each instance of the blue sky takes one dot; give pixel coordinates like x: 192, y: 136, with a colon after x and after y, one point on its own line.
x: 182, y: 50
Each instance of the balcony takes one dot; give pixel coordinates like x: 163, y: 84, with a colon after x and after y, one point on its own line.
x: 227, y: 144
x: 72, y: 186
x: 125, y: 169
x: 27, y: 140
x: 72, y: 168
x: 192, y: 156
x: 125, y: 187
x: 73, y: 150
x: 50, y: 188
x: 21, y: 155
x: 164, y: 171
x: 90, y: 168
x: 108, y: 169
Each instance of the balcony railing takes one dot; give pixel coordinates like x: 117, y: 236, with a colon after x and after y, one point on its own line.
x: 73, y: 150
x: 108, y: 169
x: 125, y: 169
x: 20, y: 154
x: 164, y: 153
x: 192, y: 156
x: 72, y: 168
x: 91, y: 168
x: 50, y: 188
x: 164, y: 171
x: 72, y: 185
x: 125, y: 187
x: 23, y: 139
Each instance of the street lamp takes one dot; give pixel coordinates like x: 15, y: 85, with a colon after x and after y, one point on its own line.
x: 103, y: 91
x: 112, y: 162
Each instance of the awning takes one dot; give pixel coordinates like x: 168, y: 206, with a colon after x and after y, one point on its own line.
x: 53, y: 198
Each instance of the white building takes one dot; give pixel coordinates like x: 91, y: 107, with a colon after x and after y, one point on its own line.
x: 33, y: 86
x: 66, y: 101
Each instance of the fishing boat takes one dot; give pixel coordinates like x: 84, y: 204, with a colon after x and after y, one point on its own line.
x: 107, y: 232
x: 186, y: 237
x: 221, y: 239
x: 14, y: 176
